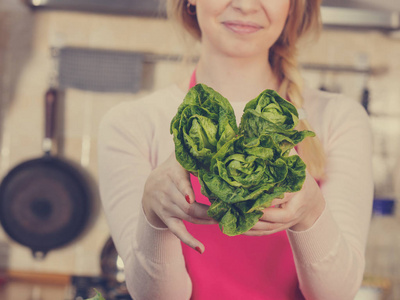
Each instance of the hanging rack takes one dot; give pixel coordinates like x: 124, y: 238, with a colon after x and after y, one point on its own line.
x: 344, y: 69
x: 148, y: 57
x: 153, y: 58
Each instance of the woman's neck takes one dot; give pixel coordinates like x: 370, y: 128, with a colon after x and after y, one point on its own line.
x: 237, y: 79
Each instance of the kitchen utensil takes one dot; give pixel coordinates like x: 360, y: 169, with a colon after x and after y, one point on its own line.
x: 111, y: 264
x: 363, y: 64
x: 112, y: 269
x: 95, y: 70
x: 45, y: 202
x: 148, y: 8
x: 322, y: 86
x: 365, y: 98
x: 99, y: 70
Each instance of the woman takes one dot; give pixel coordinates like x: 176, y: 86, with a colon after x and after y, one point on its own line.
x: 310, y: 244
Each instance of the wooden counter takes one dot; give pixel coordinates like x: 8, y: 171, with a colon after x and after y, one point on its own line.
x: 31, y: 286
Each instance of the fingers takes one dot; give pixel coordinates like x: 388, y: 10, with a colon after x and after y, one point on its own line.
x: 274, y: 219
x: 191, y: 211
x: 170, y: 196
x: 262, y: 227
x: 262, y: 232
x: 178, y: 228
x: 194, y: 213
x: 181, y: 180
x: 279, y: 201
x: 184, y: 186
x: 197, y: 210
x: 266, y: 226
x: 276, y: 215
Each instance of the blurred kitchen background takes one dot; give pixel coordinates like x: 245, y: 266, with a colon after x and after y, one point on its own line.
x: 95, y: 54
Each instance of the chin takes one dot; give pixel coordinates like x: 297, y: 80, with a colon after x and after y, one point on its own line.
x: 245, y: 53
x: 245, y: 49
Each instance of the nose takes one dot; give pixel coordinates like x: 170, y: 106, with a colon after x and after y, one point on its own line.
x: 246, y: 6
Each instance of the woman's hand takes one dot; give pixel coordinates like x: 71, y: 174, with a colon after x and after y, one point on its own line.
x: 297, y: 211
x: 168, y: 199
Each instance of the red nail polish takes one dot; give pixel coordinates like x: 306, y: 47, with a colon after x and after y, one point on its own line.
x: 198, y: 250
x: 187, y: 198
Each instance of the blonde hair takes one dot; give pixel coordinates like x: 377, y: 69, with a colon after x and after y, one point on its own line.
x: 303, y: 19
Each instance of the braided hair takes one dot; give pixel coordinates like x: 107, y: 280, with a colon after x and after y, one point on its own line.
x: 304, y: 18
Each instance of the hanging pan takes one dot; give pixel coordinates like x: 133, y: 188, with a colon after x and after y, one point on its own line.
x: 45, y: 202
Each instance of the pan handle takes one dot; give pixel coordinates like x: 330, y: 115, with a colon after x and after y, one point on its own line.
x: 50, y: 110
x: 39, y: 255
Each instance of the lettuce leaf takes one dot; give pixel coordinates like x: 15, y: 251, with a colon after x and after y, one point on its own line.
x: 98, y: 296
x: 240, y: 170
x: 243, y: 181
x: 270, y: 114
x: 205, y: 121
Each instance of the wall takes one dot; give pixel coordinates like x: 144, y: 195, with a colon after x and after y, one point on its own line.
x: 22, y: 127
x: 381, y: 53
x: 23, y: 123
x: 377, y: 51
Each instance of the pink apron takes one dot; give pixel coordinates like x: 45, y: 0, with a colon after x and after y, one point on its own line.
x: 239, y: 267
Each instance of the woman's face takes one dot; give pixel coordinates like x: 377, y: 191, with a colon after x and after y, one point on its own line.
x: 241, y: 28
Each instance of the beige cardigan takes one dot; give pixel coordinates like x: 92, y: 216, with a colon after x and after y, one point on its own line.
x: 329, y: 257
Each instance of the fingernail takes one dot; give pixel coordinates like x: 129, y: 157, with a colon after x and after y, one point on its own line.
x: 198, y: 250
x: 187, y: 198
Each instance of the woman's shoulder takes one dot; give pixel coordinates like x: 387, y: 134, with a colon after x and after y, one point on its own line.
x: 333, y: 114
x: 324, y: 105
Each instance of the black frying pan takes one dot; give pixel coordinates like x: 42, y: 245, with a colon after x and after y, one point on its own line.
x: 45, y: 202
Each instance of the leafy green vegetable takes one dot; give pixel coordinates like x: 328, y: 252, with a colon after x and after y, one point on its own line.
x: 240, y: 170
x: 270, y: 114
x: 204, y: 123
x: 97, y: 297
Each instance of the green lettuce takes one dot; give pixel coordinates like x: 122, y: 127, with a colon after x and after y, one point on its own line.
x: 205, y: 121
x: 246, y: 174
x: 98, y: 296
x: 243, y: 169
x: 270, y: 114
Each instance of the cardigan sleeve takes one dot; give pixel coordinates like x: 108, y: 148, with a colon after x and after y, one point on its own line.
x: 153, y: 260
x: 329, y: 256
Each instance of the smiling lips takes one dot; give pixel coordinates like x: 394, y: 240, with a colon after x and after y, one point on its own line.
x: 241, y: 27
